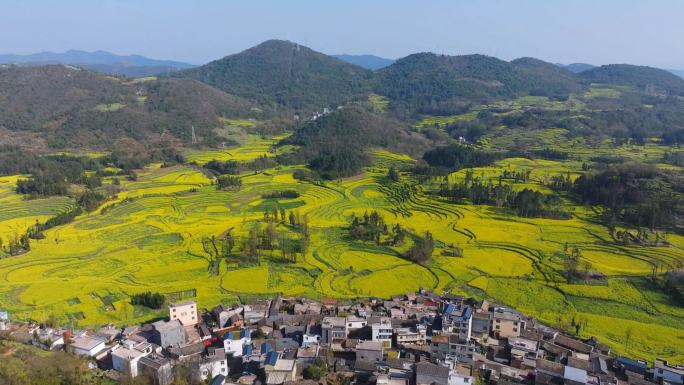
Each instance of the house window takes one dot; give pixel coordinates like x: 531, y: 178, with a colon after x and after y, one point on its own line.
x: 465, y: 380
x: 515, y: 330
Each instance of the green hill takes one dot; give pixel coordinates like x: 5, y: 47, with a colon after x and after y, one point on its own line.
x: 649, y: 79
x: 70, y: 107
x: 336, y: 145
x: 439, y: 84
x: 286, y: 74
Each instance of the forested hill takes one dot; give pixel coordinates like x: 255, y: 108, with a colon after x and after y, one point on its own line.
x: 69, y: 107
x: 336, y: 145
x: 439, y: 84
x: 287, y: 74
x: 653, y: 79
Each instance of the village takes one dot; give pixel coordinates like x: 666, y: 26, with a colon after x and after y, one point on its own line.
x: 414, y: 339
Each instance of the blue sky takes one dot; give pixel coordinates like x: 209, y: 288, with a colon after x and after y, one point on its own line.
x: 597, y: 31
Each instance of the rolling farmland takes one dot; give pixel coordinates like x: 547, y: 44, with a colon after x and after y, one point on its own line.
x: 149, y: 238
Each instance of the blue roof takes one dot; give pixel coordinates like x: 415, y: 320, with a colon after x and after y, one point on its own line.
x: 271, y: 358
x: 266, y: 347
x: 630, y: 362
x: 244, y: 333
x: 247, y: 350
x: 451, y: 309
x: 467, y: 312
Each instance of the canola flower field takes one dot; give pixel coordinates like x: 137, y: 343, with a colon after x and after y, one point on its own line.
x: 149, y: 238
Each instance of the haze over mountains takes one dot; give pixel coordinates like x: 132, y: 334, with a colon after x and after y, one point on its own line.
x: 141, y: 66
x: 100, y: 61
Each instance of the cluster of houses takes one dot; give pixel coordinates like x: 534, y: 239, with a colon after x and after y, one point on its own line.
x: 415, y: 339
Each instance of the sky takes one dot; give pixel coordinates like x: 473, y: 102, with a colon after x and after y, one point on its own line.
x: 646, y: 32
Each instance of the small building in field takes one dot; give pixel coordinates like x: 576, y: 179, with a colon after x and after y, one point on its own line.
x: 184, y: 312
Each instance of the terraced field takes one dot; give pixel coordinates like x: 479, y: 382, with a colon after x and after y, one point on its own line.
x: 84, y: 271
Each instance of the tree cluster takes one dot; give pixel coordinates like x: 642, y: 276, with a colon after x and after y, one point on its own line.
x: 369, y: 228
x: 148, y: 299
x: 526, y: 202
x: 422, y: 248
x: 636, y: 194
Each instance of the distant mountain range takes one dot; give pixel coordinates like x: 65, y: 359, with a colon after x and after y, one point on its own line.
x: 281, y: 78
x: 370, y: 62
x: 100, y: 61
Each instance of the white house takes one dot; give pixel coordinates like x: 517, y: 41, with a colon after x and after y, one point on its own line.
x: 214, y: 364
x: 86, y: 346
x: 235, y: 341
x: 125, y: 357
x: 381, y: 330
x: 49, y: 339
x: 456, y: 378
x: 310, y: 340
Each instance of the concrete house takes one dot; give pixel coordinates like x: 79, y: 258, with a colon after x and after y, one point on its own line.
x: 222, y: 314
x: 234, y: 342
x: 126, y: 356
x: 524, y: 352
x: 450, y: 347
x: 664, y: 372
x: 184, y: 312
x: 381, y: 330
x: 86, y: 346
x: 48, y: 338
x: 460, y: 375
x: 482, y: 323
x: 427, y: 374
x: 417, y: 335
x: 370, y: 352
x: 458, y: 321
x: 278, y: 369
x: 156, y: 367
x: 215, y: 363
x: 506, y: 323
x: 354, y: 323
x: 334, y: 330
x: 167, y: 334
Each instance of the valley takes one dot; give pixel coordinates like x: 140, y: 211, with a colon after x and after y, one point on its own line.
x: 214, y: 185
